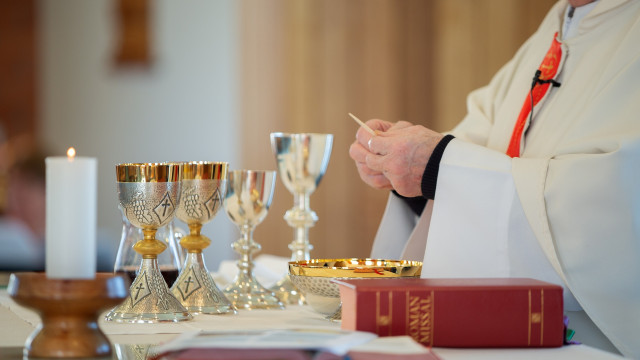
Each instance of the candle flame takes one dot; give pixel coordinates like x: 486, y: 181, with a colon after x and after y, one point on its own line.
x: 71, y: 153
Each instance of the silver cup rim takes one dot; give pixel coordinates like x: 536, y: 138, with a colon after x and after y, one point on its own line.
x: 251, y: 171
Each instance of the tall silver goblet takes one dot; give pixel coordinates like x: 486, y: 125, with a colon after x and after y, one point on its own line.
x: 302, y: 161
x: 149, y: 195
x: 248, y: 198
x: 203, y: 187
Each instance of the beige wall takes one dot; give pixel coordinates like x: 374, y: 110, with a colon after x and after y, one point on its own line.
x: 306, y: 63
x: 183, y: 108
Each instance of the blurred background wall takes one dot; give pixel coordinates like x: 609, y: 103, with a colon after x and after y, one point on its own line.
x: 214, y: 78
x: 306, y: 64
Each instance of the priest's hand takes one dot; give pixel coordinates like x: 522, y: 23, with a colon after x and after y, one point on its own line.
x: 359, y: 151
x: 396, y: 157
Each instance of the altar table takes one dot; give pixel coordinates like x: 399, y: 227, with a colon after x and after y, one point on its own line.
x: 16, y: 323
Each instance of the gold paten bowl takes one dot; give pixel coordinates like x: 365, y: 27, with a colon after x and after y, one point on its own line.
x: 313, y: 278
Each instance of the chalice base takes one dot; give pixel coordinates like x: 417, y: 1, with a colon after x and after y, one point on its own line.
x: 329, y: 306
x: 336, y: 316
x: 287, y: 292
x: 150, y: 300
x: 197, y: 291
x: 135, y: 351
x: 246, y: 293
x: 69, y: 309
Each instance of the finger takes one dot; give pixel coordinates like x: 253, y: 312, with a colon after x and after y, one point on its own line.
x: 379, y: 182
x: 365, y: 170
x: 375, y: 162
x: 397, y: 127
x: 373, y: 178
x: 379, y: 145
x: 378, y: 125
x: 358, y: 153
x: 363, y: 136
x: 400, y: 125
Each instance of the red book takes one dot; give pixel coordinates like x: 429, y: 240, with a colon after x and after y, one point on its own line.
x: 497, y: 312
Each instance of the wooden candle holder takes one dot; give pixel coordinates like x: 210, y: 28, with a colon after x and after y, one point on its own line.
x: 69, y: 309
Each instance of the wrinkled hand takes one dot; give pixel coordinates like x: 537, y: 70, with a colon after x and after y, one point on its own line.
x: 359, y: 151
x: 396, y: 157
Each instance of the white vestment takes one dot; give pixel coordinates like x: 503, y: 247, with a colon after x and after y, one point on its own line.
x: 568, y: 210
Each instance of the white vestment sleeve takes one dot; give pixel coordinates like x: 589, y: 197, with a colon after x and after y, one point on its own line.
x: 468, y: 232
x: 395, y: 229
x: 415, y: 247
x: 479, y: 228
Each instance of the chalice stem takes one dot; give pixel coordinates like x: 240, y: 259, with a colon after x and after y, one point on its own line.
x: 301, y: 201
x: 245, y: 246
x: 246, y: 292
x: 300, y: 246
x: 301, y: 218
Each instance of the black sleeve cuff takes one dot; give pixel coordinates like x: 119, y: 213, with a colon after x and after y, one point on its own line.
x: 430, y: 176
x: 416, y: 204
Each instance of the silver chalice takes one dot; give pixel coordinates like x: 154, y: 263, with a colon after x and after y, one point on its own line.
x: 247, y: 202
x: 302, y: 161
x: 203, y: 188
x: 149, y: 194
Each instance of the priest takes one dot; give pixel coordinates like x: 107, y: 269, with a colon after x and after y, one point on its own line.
x: 541, y: 179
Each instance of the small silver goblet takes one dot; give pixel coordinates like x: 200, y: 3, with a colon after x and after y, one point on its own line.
x: 148, y: 195
x: 247, y: 202
x: 203, y: 187
x: 302, y: 161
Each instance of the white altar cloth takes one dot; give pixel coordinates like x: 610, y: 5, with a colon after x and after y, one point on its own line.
x: 17, y: 322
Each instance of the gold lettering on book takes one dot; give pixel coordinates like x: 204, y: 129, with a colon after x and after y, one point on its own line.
x: 420, y: 322
x: 536, y: 318
x: 384, y: 319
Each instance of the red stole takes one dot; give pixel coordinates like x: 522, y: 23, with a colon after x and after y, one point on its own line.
x: 548, y: 70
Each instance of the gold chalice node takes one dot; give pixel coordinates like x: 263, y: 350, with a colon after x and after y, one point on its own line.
x: 247, y: 202
x: 204, y: 185
x: 149, y: 194
x: 314, y: 278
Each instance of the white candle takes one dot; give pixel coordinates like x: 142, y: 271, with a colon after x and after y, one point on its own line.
x: 70, y: 242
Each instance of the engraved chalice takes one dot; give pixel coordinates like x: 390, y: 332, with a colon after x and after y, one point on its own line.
x: 302, y: 161
x: 128, y: 260
x: 149, y: 194
x: 203, y: 188
x: 247, y: 202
